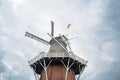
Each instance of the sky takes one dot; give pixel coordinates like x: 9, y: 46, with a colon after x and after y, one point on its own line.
x: 95, y: 23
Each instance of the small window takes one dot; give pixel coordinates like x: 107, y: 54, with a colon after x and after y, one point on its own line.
x: 69, y: 71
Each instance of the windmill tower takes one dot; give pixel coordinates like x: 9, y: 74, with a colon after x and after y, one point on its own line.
x: 59, y: 63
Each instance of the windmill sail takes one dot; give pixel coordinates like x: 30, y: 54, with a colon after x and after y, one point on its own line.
x: 52, y: 28
x: 36, y: 38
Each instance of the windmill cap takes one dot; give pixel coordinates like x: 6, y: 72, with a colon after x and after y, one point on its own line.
x: 59, y: 39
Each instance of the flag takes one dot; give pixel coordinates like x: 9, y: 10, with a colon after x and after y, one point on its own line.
x: 69, y: 25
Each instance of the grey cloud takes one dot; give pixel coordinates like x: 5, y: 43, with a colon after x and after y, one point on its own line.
x: 2, y: 67
x: 106, y: 61
x: 108, y: 35
x: 99, y: 39
x: 111, y: 74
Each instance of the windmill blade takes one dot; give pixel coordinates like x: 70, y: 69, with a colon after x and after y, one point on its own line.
x: 36, y: 38
x: 52, y: 28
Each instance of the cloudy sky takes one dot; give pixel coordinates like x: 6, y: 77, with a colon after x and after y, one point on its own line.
x: 95, y: 23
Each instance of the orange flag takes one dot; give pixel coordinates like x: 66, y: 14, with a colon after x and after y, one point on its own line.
x: 69, y: 25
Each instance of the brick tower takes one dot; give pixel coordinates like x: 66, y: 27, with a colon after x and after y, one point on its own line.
x: 59, y: 63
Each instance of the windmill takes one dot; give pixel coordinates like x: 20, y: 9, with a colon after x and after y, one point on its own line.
x: 59, y: 63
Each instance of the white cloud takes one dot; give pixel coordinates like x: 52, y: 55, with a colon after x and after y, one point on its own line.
x: 16, y: 3
x: 86, y: 17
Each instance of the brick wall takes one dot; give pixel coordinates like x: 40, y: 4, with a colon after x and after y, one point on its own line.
x: 57, y: 72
